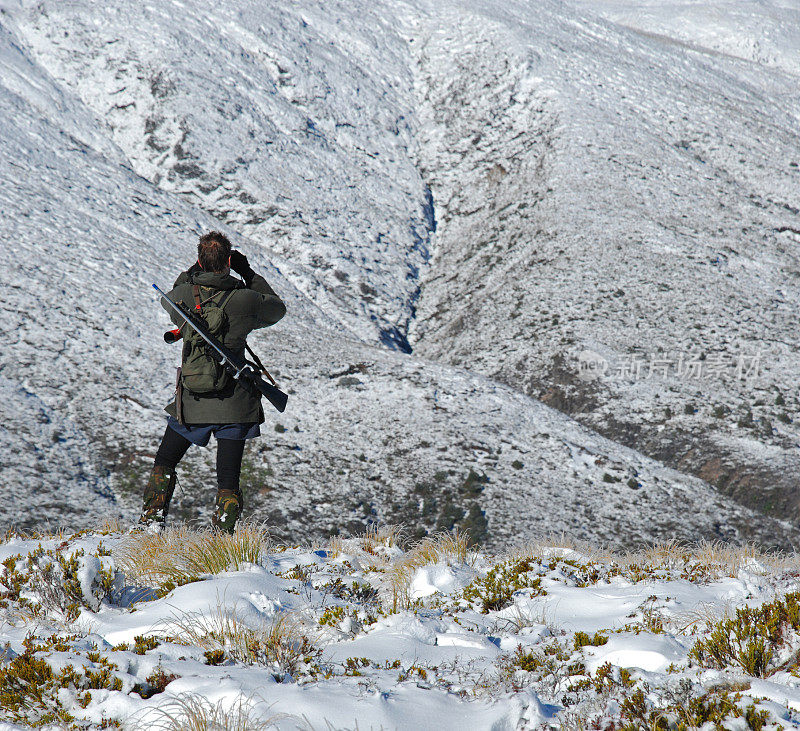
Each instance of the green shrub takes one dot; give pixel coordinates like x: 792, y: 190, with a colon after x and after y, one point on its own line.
x: 143, y: 643
x: 495, y: 590
x: 581, y: 639
x: 752, y: 639
x: 709, y: 710
x: 29, y: 687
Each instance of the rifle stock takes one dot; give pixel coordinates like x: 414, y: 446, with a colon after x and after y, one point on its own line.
x: 274, y: 395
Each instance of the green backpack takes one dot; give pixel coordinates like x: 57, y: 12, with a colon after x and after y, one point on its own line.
x: 201, y: 373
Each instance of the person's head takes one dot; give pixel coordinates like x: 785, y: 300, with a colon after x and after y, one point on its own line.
x: 214, y: 252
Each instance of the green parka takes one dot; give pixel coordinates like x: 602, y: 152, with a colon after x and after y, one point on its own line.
x: 247, y: 309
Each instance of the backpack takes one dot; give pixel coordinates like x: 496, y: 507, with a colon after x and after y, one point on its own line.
x: 201, y: 373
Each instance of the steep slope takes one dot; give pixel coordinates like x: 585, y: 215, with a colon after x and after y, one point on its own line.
x: 371, y: 434
x: 272, y: 119
x: 615, y: 200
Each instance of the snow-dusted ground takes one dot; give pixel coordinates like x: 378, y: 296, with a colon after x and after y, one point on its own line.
x: 421, y: 652
x: 600, y: 190
x: 314, y: 134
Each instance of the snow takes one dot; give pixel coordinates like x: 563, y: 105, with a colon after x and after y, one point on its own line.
x: 459, y: 649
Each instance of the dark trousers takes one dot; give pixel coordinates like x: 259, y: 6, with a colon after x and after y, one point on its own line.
x: 229, y: 457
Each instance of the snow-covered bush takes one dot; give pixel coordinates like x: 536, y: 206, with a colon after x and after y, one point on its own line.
x: 283, y: 644
x: 55, y: 582
x: 35, y: 694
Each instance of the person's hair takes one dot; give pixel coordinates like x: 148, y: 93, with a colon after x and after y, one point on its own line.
x: 213, y: 251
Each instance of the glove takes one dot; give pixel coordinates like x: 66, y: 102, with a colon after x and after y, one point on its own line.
x: 241, y: 266
x: 194, y: 269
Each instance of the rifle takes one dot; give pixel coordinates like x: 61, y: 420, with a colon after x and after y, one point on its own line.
x: 238, y: 366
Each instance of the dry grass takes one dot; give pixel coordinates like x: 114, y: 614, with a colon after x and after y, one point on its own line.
x: 383, y: 536
x: 707, y: 560
x: 335, y: 547
x: 438, y: 548
x: 181, y: 554
x: 704, y: 615
x: 189, y: 712
x: 282, y: 643
x: 112, y: 525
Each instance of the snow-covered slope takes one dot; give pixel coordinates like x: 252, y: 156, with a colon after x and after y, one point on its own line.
x: 767, y: 33
x: 129, y: 127
x: 605, y: 196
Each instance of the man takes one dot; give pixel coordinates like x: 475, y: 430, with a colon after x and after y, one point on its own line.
x: 208, y: 401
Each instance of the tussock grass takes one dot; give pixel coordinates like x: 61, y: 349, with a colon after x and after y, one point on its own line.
x: 188, y: 712
x: 112, y: 525
x: 700, y: 562
x: 181, y: 554
x: 282, y: 644
x: 558, y: 546
x: 381, y: 536
x: 335, y: 547
x: 437, y: 548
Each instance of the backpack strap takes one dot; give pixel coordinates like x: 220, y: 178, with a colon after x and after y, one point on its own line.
x: 198, y: 302
x: 224, y: 300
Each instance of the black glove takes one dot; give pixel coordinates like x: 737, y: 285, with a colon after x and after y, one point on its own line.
x: 241, y: 266
x: 194, y: 269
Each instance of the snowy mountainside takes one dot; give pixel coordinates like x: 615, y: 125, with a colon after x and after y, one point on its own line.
x: 272, y: 120
x: 371, y: 434
x: 768, y: 34
x: 605, y: 196
x: 599, y: 191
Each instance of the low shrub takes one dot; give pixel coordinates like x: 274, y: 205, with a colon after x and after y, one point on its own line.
x: 581, y: 639
x: 30, y: 688
x: 495, y: 590
x: 755, y: 640
x: 54, y: 583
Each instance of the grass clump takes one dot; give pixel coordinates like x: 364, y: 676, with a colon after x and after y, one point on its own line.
x: 188, y: 712
x: 441, y: 547
x: 496, y: 590
x: 755, y: 640
x: 282, y: 645
x: 180, y: 555
x: 377, y: 538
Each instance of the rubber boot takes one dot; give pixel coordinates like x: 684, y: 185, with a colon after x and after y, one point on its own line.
x: 228, y: 508
x: 157, y: 496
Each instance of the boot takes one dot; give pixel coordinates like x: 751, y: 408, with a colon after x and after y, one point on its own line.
x: 228, y: 509
x: 157, y: 496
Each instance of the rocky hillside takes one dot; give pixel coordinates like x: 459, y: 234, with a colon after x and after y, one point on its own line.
x: 496, y: 189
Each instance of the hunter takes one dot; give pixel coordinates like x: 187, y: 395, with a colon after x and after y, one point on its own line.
x: 208, y: 400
